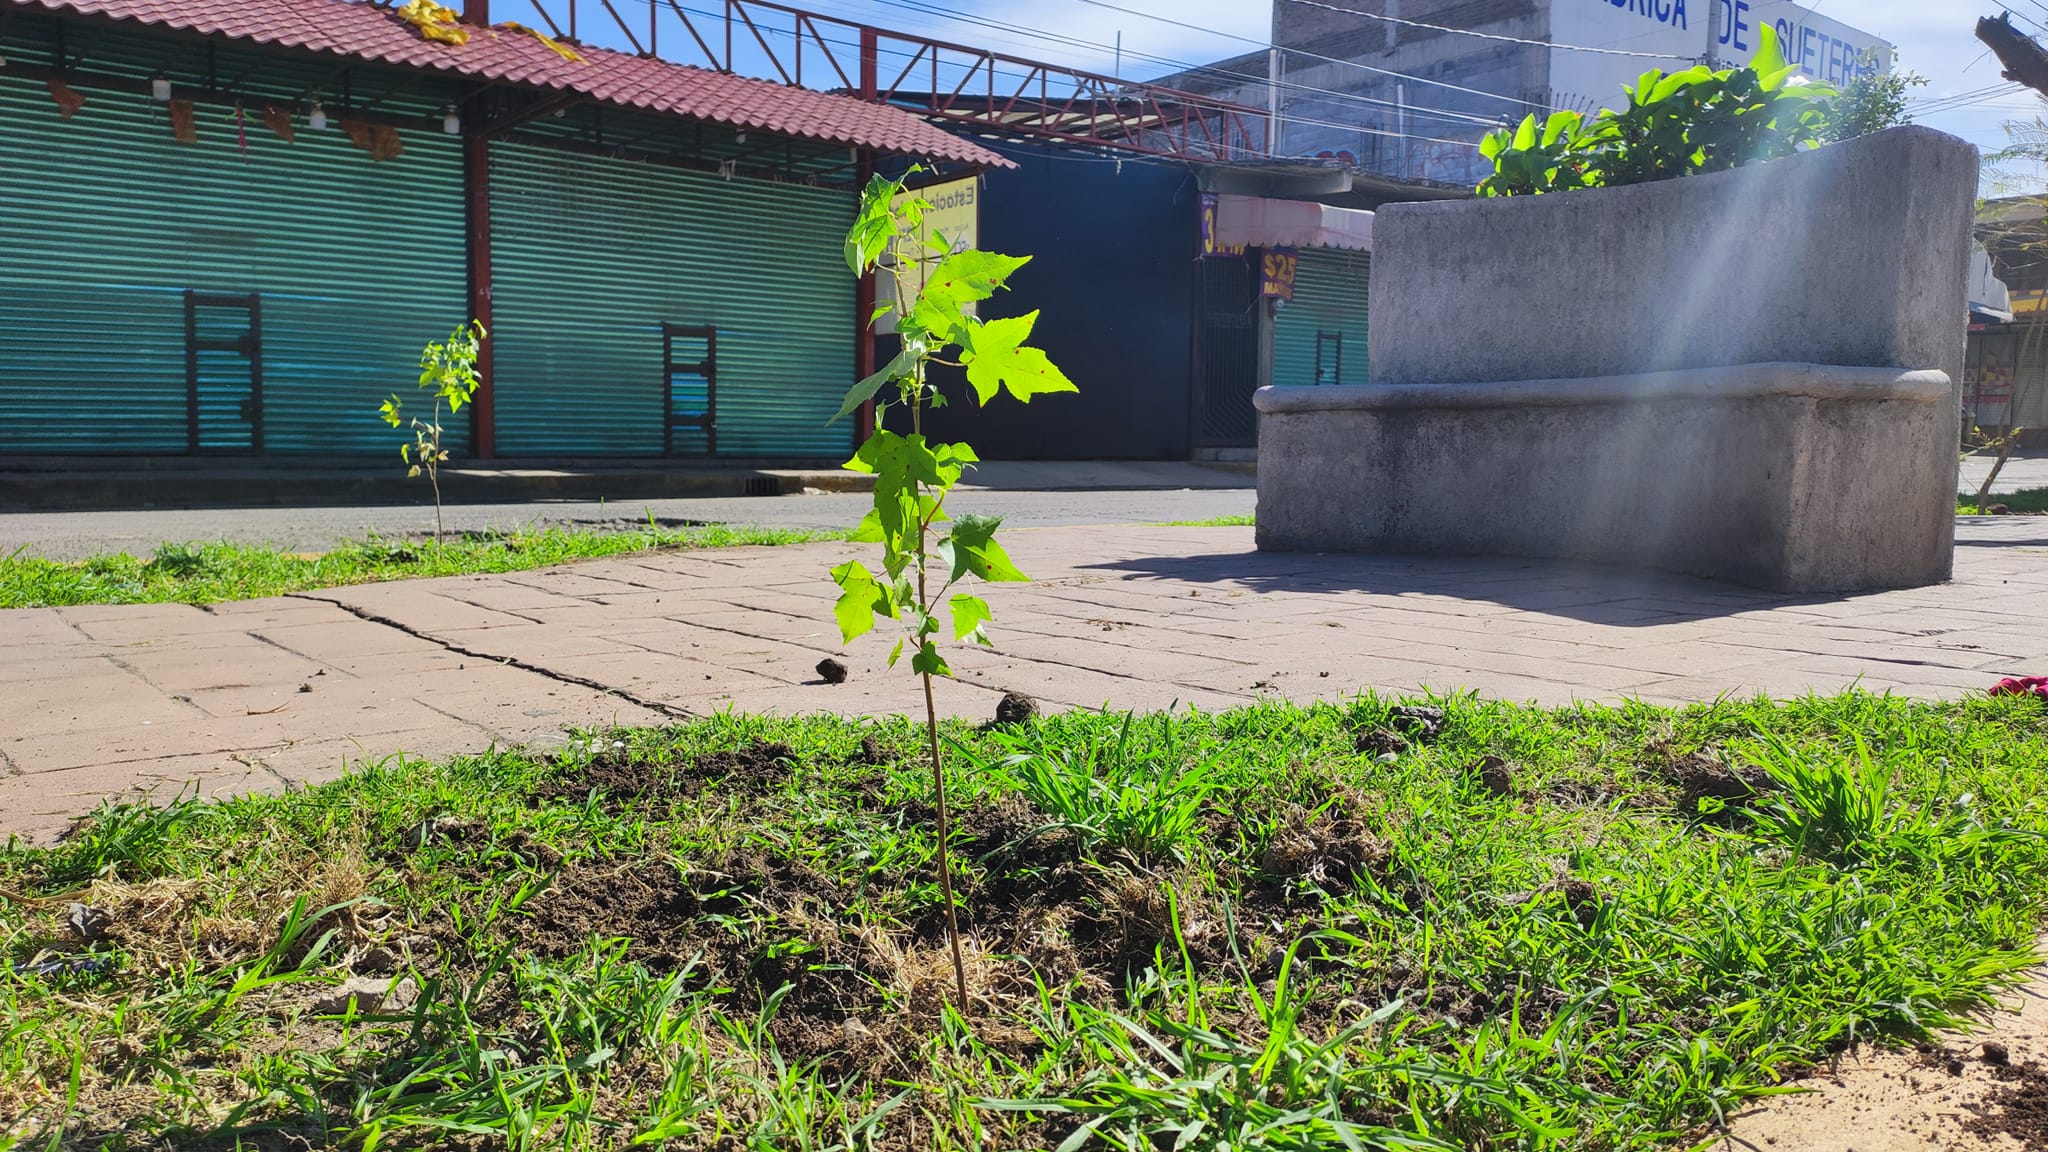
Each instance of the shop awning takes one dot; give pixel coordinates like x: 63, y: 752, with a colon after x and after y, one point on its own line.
x: 1252, y: 222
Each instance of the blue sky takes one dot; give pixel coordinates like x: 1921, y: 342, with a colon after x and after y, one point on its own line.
x: 1935, y: 38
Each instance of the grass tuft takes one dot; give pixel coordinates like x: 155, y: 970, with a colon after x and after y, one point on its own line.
x: 1234, y: 520
x: 2029, y: 502
x: 1248, y: 929
x: 211, y: 573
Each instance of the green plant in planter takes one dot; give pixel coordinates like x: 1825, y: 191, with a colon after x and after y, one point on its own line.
x: 448, y: 370
x: 928, y: 558
x: 1678, y: 124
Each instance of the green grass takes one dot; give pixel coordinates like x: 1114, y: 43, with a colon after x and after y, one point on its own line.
x: 1244, y: 520
x: 1535, y: 929
x: 2030, y: 501
x: 210, y: 573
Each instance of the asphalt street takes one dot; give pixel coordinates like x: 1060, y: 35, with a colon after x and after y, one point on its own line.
x: 71, y: 535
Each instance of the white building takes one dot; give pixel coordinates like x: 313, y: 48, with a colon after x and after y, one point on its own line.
x: 1406, y: 88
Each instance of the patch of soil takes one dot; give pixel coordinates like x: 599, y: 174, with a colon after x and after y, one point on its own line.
x: 628, y: 783
x: 1329, y: 850
x: 648, y: 904
x: 2017, y: 1108
x: 1703, y: 776
x: 874, y: 753
x: 1986, y: 1092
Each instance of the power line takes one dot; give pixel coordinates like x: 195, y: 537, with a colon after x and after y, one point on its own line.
x: 1353, y: 128
x: 1989, y: 89
x: 1489, y: 35
x: 1965, y: 100
x: 1185, y: 66
x: 1269, y: 45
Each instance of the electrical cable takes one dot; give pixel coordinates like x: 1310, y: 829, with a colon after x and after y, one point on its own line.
x: 1187, y: 67
x: 1348, y: 128
x: 1481, y: 35
x: 1268, y: 45
x: 1952, y: 104
x: 1971, y: 94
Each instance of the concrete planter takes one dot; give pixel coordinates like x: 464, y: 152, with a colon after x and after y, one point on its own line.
x: 1748, y: 376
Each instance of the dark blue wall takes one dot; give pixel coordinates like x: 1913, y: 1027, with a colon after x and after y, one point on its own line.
x: 1112, y: 276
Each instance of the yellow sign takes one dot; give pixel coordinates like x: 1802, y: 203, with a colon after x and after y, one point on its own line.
x: 954, y: 220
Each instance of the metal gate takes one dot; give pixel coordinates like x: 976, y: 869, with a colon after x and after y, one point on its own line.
x: 1226, y: 353
x: 690, y: 358
x: 223, y: 372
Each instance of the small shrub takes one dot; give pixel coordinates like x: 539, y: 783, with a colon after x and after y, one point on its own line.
x: 1677, y: 124
x: 448, y: 371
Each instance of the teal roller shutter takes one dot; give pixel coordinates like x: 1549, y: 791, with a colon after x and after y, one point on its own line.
x: 1330, y: 308
x: 106, y: 222
x: 592, y: 257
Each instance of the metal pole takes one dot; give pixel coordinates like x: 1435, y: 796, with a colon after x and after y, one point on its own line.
x: 1273, y: 67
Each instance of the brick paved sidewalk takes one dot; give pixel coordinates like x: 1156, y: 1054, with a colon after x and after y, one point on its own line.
x: 113, y: 701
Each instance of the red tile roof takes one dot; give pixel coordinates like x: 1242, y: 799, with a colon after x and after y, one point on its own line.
x: 348, y: 28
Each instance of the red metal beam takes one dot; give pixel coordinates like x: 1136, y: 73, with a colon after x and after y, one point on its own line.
x: 1131, y: 116
x: 864, y: 292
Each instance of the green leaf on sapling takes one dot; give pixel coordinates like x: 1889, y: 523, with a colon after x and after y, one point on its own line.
x: 927, y: 661
x: 975, y: 551
x: 995, y: 358
x: 970, y: 616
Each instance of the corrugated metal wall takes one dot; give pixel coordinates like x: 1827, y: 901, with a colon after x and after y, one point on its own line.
x: 1331, y: 291
x: 591, y: 256
x: 105, y: 221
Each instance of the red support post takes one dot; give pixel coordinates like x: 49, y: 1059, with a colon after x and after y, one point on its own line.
x: 476, y: 198
x: 864, y: 292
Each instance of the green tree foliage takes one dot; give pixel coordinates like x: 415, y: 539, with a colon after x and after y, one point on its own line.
x: 1872, y: 102
x: 1677, y: 124
x: 448, y: 372
x: 929, y: 558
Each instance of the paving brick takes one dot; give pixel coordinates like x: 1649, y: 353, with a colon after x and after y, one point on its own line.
x: 98, y: 701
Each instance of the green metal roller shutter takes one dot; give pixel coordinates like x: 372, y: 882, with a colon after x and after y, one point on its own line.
x: 106, y: 222
x: 1331, y: 290
x: 591, y: 257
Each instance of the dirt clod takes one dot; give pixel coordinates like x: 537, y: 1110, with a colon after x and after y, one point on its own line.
x: 1381, y: 741
x: 1016, y: 708
x: 1421, y: 723
x: 1702, y: 776
x: 1323, y: 849
x: 1492, y: 774
x: 831, y: 671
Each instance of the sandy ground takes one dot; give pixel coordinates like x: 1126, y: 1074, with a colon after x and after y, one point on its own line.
x: 1986, y: 1091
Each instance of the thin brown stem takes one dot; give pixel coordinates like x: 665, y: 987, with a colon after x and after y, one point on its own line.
x: 931, y: 728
